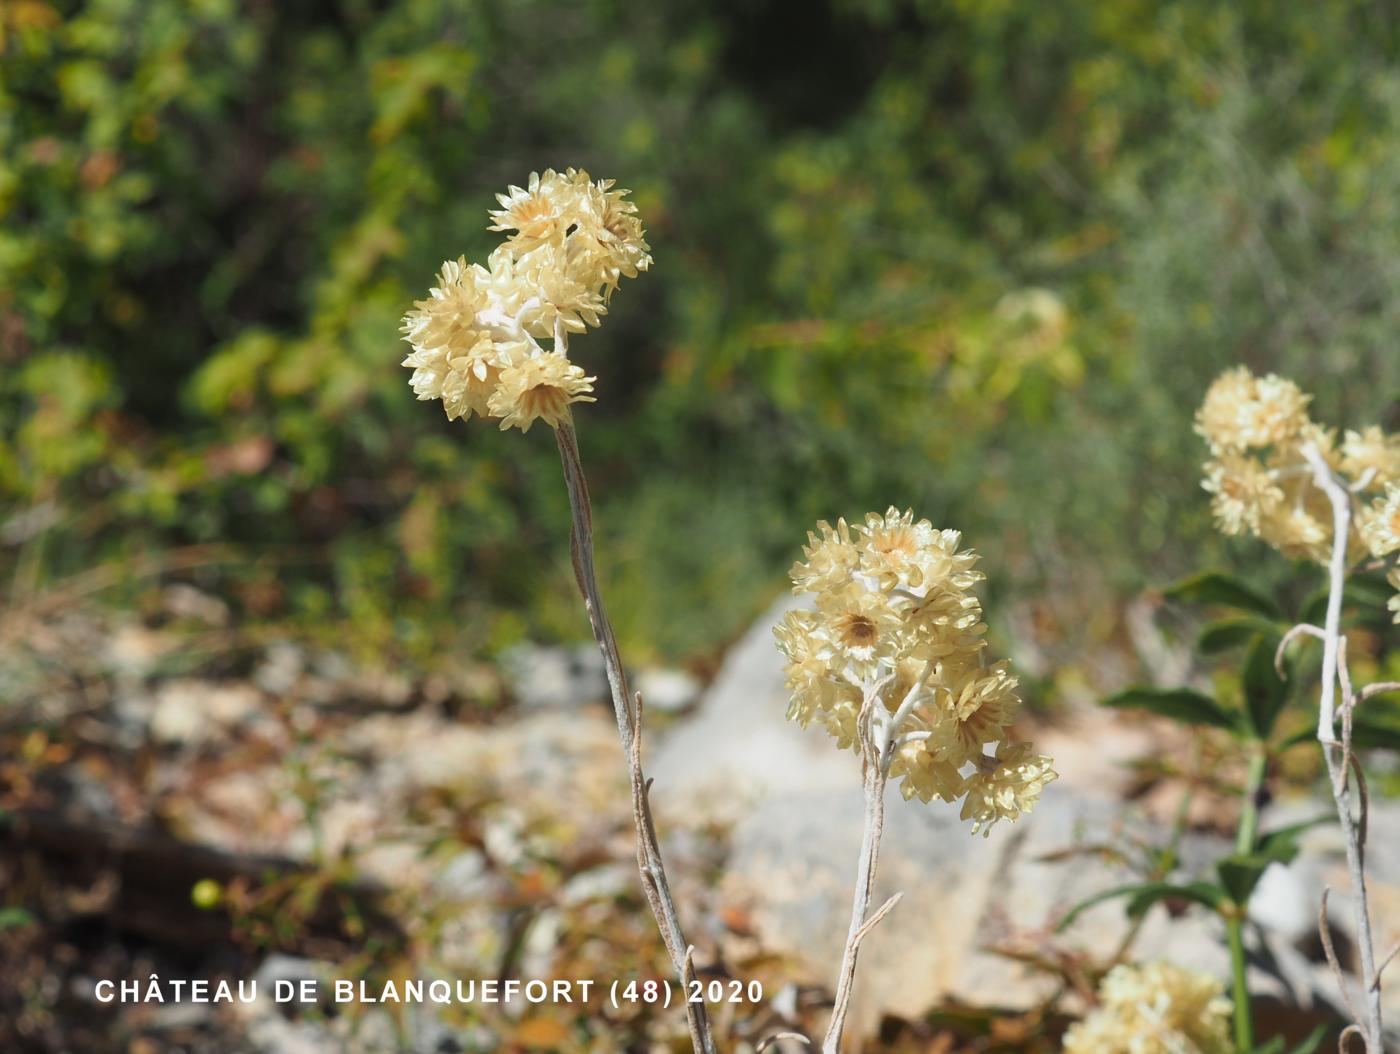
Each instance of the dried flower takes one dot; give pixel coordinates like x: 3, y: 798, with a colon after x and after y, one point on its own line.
x: 1005, y: 786
x: 1380, y: 524
x: 894, y: 611
x: 1374, y: 452
x: 1259, y: 477
x: 475, y: 339
x: 1243, y: 412
x: 1242, y: 492
x: 1155, y: 1009
x: 539, y: 388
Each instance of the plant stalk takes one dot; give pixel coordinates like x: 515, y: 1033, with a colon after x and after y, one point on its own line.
x: 1248, y: 831
x: 874, y: 780
x: 628, y: 712
x: 1244, y: 1017
x: 878, y: 732
x: 1245, y: 836
x: 1337, y: 754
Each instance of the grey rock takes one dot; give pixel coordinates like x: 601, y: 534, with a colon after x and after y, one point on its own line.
x: 193, y: 712
x: 280, y: 967
x: 272, y: 1034
x: 739, y: 746
x: 464, y: 877
x: 794, y: 803
x: 792, y: 867
x: 543, y: 677
x: 1283, y: 904
x: 280, y: 669
x: 606, y: 882
x: 182, y: 1015
x: 185, y: 601
x: 666, y: 690
x: 793, y: 864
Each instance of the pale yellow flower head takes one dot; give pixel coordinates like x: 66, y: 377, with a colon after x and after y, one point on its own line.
x: 1244, y: 412
x: 1005, y: 786
x: 1261, y: 480
x: 476, y: 338
x: 539, y: 388
x: 1374, y: 453
x: 893, y: 608
x: 1155, y: 1009
x: 542, y: 211
x: 1380, y: 524
x: 1243, y: 491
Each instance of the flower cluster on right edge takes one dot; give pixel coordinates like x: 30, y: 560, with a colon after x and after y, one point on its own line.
x: 894, y: 610
x: 1258, y: 430
x: 1155, y: 1009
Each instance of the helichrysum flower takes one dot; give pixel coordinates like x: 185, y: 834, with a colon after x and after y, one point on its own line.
x: 1259, y: 477
x: 539, y: 388
x: 475, y: 338
x: 1380, y: 524
x: 1371, y: 451
x: 893, y: 607
x: 1005, y: 785
x: 1243, y: 412
x: 1242, y: 492
x: 1154, y: 1009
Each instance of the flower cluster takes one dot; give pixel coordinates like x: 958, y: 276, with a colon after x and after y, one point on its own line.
x: 475, y: 339
x: 895, y: 615
x: 1261, y: 483
x: 1154, y: 1009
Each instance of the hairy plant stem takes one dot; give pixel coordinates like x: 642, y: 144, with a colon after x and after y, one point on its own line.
x: 874, y: 780
x: 878, y: 732
x: 1245, y: 836
x: 1338, y: 753
x: 628, y: 711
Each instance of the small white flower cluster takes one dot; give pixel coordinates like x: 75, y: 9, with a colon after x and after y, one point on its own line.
x: 1155, y: 1009
x: 1261, y: 483
x: 895, y: 612
x: 475, y: 338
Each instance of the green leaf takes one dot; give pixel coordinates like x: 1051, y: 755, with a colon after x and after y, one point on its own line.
x: 1371, y: 731
x: 1274, y: 1046
x: 1206, y: 894
x: 1265, y: 692
x: 1311, y: 1041
x: 1224, y: 634
x: 1282, y: 844
x: 1306, y: 734
x: 1216, y: 587
x: 1240, y: 874
x: 1142, y: 895
x: 11, y: 918
x: 1314, y: 609
x: 1182, y: 705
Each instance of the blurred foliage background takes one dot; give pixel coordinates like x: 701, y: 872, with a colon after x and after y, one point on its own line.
x: 977, y: 258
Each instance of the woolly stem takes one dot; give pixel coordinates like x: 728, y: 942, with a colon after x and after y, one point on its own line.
x: 628, y: 711
x: 1338, y: 754
x: 874, y: 780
